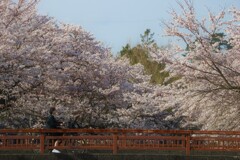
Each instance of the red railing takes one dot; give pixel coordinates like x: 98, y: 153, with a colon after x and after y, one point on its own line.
x: 120, y: 139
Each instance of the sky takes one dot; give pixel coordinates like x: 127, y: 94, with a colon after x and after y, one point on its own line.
x: 118, y: 22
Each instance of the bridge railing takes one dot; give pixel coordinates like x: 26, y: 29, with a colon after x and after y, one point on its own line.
x: 120, y: 139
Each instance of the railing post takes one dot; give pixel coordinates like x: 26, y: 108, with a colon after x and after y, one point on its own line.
x: 42, y: 143
x: 4, y: 140
x: 188, y: 144
x: 115, y: 146
x: 124, y: 140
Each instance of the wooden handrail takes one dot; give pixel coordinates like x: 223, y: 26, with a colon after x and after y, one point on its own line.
x: 120, y: 131
x: 121, y: 139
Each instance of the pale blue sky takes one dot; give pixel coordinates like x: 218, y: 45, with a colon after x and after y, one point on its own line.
x: 118, y: 22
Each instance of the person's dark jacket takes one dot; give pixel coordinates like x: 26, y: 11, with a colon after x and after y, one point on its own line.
x: 52, y: 123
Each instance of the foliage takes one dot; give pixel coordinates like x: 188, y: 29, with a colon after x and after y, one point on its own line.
x: 147, y: 38
x: 139, y: 54
x: 208, y: 92
x: 213, y: 39
x: 44, y: 63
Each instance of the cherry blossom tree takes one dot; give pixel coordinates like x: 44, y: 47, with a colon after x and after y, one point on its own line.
x: 45, y: 63
x: 209, y: 89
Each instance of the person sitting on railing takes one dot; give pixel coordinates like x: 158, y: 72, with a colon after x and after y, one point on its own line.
x: 52, y: 123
